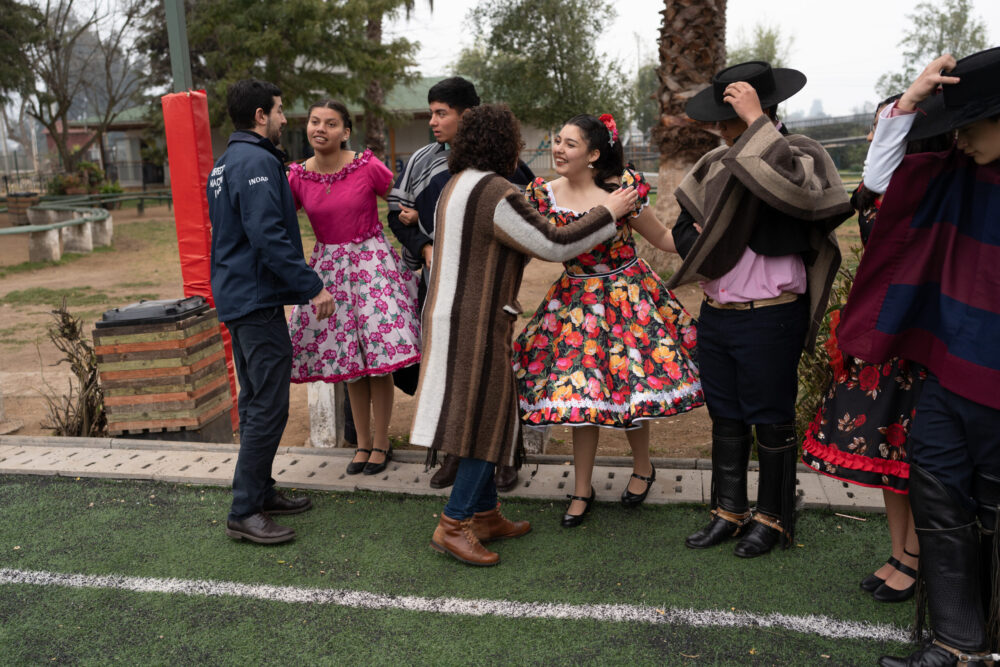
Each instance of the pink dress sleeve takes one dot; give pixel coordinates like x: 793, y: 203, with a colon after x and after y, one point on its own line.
x: 379, y: 175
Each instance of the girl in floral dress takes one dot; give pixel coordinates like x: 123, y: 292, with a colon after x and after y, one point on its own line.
x: 609, y: 345
x: 860, y: 432
x: 374, y: 329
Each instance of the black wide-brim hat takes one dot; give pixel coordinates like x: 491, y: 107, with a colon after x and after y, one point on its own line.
x: 974, y: 97
x: 773, y: 85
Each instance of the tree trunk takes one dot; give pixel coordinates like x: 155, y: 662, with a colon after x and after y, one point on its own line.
x: 375, y: 97
x: 692, y: 49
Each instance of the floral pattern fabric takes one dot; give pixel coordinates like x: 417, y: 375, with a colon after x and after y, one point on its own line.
x: 860, y: 433
x: 609, y: 344
x: 375, y: 326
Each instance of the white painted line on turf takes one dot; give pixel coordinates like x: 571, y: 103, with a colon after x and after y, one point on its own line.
x: 822, y: 626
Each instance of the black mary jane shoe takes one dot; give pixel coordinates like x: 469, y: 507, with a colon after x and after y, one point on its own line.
x: 886, y: 593
x: 716, y: 532
x: 630, y: 499
x: 872, y: 581
x: 354, y: 467
x: 573, y: 520
x: 376, y: 468
x: 758, y: 540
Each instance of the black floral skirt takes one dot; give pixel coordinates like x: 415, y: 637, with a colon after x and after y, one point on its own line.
x: 860, y: 433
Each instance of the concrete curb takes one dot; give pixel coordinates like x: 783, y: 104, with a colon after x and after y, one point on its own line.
x: 543, y: 476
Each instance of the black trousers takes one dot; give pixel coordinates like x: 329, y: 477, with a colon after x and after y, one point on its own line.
x: 262, y: 353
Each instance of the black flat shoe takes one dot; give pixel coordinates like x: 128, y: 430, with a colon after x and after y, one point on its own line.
x: 872, y: 582
x: 354, y: 467
x: 757, y: 541
x: 717, y: 531
x: 572, y: 520
x: 376, y: 468
x: 630, y: 499
x: 886, y: 593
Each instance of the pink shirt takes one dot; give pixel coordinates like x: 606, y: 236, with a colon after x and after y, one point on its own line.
x: 342, y: 207
x: 758, y: 277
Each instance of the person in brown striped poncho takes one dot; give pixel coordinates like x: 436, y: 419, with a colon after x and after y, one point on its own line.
x: 466, y: 399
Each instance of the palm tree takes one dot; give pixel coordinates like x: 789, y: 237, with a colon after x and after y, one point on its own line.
x: 692, y: 49
x: 374, y: 93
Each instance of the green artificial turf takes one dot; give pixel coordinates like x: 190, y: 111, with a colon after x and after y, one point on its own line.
x: 379, y: 543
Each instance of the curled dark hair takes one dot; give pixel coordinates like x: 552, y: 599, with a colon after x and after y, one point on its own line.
x: 334, y: 105
x: 611, y: 162
x: 488, y: 139
x: 243, y: 98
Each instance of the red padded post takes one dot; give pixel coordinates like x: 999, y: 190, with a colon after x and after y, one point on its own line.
x: 189, y: 150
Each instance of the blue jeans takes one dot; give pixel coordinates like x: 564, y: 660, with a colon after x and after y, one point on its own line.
x: 474, y: 490
x: 262, y: 354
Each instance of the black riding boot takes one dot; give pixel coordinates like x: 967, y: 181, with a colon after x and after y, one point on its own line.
x: 949, y: 566
x: 774, y: 518
x: 986, y: 491
x: 731, y: 443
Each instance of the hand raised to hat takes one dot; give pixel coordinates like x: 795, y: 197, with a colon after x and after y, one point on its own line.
x: 928, y: 81
x: 744, y: 100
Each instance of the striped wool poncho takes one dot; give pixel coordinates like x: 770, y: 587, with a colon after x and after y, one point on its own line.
x: 928, y: 287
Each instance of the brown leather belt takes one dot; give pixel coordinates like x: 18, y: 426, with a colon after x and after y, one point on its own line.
x: 784, y: 297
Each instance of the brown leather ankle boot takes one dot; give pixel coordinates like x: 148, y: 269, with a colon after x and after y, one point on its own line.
x: 492, y: 525
x: 456, y: 538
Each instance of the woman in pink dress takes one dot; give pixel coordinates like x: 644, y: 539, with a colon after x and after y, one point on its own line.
x: 374, y: 329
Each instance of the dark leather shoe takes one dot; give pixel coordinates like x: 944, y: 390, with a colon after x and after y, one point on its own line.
x: 886, y: 593
x: 717, y: 531
x: 758, y: 540
x: 355, y: 467
x: 630, y: 499
x: 872, y: 582
x: 930, y: 656
x: 376, y: 468
x: 573, y: 520
x: 282, y: 504
x: 445, y: 476
x: 259, y: 528
x: 505, y: 478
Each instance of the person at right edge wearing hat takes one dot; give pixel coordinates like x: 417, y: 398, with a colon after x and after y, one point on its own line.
x: 928, y: 289
x: 756, y: 230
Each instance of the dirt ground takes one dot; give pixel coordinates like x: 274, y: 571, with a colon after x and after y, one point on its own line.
x: 143, y: 264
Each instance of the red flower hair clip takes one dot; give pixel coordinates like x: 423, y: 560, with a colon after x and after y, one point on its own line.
x: 609, y: 122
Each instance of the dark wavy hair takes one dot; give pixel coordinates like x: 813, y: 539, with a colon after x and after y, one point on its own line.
x: 243, y: 98
x: 339, y: 107
x: 488, y: 139
x: 456, y: 92
x: 611, y: 162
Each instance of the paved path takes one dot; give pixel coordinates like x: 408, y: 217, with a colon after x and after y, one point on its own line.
x: 677, y: 480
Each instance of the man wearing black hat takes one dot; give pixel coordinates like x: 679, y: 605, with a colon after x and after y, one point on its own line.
x: 927, y: 290
x: 756, y: 230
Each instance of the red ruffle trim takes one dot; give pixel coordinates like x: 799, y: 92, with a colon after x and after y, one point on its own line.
x: 838, y: 457
x: 368, y: 372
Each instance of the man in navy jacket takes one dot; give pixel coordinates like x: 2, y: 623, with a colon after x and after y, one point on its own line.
x: 257, y: 268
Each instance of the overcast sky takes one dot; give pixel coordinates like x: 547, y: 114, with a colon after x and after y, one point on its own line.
x: 842, y: 47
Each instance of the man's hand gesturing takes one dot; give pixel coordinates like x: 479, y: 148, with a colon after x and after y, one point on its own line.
x: 323, y: 304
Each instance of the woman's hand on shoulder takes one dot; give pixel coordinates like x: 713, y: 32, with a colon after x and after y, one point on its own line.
x: 621, y: 201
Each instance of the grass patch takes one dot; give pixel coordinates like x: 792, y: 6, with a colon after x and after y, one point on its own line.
x: 67, y: 258
x: 156, y: 232
x: 75, y: 297
x: 378, y: 542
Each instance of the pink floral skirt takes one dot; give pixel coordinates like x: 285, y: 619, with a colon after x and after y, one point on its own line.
x: 375, y: 326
